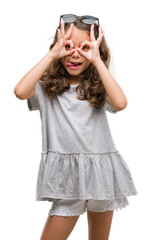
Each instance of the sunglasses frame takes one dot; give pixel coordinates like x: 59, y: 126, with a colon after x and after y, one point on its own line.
x: 82, y: 18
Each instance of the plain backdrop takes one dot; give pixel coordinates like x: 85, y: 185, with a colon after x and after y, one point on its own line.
x: 27, y: 29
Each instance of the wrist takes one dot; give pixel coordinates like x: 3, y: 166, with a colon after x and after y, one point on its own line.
x: 98, y: 62
x: 51, y: 56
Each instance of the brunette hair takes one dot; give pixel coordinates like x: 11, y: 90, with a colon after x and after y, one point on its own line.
x: 56, y: 79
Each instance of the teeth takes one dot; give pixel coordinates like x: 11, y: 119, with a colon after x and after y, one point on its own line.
x: 76, y: 63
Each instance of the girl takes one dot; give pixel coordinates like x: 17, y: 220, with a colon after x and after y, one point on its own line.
x: 80, y: 169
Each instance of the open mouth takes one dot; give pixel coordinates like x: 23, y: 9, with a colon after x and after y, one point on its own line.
x: 73, y: 64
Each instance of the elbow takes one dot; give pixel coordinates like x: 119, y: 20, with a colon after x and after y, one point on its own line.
x: 122, y: 105
x: 18, y: 94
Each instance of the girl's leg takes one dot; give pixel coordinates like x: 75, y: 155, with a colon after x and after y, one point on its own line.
x: 99, y: 224
x: 58, y: 227
x: 62, y: 218
x: 100, y: 214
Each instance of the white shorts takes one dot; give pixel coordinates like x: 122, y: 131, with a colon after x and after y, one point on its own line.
x: 75, y: 207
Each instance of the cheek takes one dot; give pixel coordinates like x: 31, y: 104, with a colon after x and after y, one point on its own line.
x: 63, y: 60
x: 87, y: 63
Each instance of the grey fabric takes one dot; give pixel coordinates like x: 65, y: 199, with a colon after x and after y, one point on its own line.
x: 79, y: 159
x: 75, y: 207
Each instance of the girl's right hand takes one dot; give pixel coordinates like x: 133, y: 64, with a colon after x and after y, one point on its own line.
x: 59, y: 50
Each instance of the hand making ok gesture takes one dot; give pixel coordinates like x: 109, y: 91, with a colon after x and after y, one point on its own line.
x: 92, y: 52
x: 59, y: 50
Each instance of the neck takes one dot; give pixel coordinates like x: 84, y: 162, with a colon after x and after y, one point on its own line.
x: 74, y: 80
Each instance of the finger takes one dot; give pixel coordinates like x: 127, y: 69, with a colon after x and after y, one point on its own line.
x: 68, y: 34
x: 69, y: 42
x: 85, y: 43
x: 92, y: 37
x: 69, y: 52
x: 62, y: 28
x: 82, y: 52
x: 101, y: 35
x: 58, y: 35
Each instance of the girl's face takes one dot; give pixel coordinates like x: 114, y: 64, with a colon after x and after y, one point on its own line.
x: 70, y: 62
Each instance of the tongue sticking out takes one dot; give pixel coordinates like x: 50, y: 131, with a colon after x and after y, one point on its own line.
x: 73, y: 64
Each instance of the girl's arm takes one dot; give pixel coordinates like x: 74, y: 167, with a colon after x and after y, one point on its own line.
x: 25, y: 87
x: 115, y: 97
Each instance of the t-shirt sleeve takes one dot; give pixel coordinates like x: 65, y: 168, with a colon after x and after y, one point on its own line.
x: 110, y: 108
x: 34, y: 103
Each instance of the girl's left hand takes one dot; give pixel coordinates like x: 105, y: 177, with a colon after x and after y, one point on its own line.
x: 92, y: 51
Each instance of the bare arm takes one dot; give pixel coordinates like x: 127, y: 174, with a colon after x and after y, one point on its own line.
x: 116, y: 96
x: 25, y: 87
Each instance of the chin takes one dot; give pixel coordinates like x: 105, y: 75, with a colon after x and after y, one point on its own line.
x: 75, y: 73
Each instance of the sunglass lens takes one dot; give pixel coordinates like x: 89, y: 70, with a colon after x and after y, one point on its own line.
x: 90, y: 21
x: 68, y: 18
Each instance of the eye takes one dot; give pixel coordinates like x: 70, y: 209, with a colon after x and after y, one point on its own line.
x: 67, y: 47
x: 85, y: 47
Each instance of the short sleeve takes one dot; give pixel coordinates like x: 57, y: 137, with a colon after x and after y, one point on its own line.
x: 34, y: 103
x: 110, y: 108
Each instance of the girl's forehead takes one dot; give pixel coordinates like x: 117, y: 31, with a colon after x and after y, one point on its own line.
x: 79, y: 35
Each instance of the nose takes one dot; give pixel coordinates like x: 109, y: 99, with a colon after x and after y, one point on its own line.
x: 76, y: 53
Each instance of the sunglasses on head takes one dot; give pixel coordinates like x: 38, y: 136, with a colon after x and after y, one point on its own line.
x: 70, y: 18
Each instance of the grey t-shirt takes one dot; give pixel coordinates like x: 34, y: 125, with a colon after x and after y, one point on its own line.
x: 78, y: 151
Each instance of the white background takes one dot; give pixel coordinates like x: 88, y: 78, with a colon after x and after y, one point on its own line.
x: 26, y: 31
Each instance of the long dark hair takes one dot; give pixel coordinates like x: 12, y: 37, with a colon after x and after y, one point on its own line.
x: 56, y: 79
